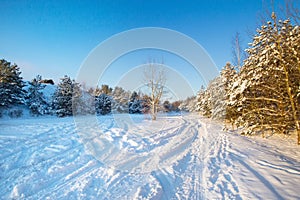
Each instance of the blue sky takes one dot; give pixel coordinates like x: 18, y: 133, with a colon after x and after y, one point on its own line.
x: 52, y: 38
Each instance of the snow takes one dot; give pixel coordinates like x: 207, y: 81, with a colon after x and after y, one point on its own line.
x: 49, y: 91
x: 176, y: 157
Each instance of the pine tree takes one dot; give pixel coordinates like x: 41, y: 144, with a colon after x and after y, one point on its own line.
x: 217, y: 98
x: 135, y: 104
x: 120, y: 99
x: 199, y: 98
x: 11, y: 84
x: 105, y: 89
x: 228, y: 75
x: 214, y: 102
x: 167, y: 106
x: 35, y: 98
x: 189, y: 104
x: 103, y: 104
x: 66, y: 94
x: 203, y: 105
x: 265, y: 93
x: 146, y: 104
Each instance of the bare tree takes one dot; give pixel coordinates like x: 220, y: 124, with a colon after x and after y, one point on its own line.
x: 237, y: 51
x: 155, y: 79
x: 291, y: 11
x: 288, y: 9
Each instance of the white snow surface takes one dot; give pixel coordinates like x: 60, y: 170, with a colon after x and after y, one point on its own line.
x: 177, y: 157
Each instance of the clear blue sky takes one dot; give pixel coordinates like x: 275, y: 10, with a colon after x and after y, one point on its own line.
x: 52, y: 38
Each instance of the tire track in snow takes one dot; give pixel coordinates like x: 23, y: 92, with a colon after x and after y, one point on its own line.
x: 197, y: 161
x: 180, y: 179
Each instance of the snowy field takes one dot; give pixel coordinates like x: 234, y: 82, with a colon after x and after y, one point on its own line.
x: 177, y: 157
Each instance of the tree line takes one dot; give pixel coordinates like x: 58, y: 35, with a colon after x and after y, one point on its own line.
x: 70, y: 98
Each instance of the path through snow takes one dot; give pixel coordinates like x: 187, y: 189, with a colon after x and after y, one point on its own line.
x: 175, y: 158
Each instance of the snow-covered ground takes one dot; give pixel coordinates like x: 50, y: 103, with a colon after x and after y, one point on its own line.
x: 177, y: 157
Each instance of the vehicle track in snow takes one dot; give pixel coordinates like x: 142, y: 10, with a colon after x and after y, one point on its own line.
x: 184, y: 157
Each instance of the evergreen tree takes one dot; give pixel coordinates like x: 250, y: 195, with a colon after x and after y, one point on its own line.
x: 146, y: 104
x: 103, y: 104
x: 214, y: 101
x: 228, y: 75
x: 217, y: 98
x: 11, y: 84
x: 120, y: 100
x: 204, y: 103
x: 189, y: 104
x: 105, y: 89
x: 135, y: 104
x: 211, y: 102
x: 199, y: 100
x: 66, y: 92
x: 35, y: 98
x: 265, y: 93
x: 167, y: 106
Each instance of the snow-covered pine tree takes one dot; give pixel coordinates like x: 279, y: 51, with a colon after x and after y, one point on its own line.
x: 266, y: 88
x: 211, y: 101
x: 63, y: 96
x: 217, y: 98
x: 214, y: 100
x: 199, y: 98
x: 203, y: 105
x: 189, y: 104
x: 120, y: 99
x: 105, y: 89
x: 11, y: 84
x: 228, y: 75
x: 135, y: 104
x: 35, y: 99
x: 103, y: 104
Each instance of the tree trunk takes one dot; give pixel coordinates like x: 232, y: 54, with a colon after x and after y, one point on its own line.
x: 290, y: 95
x: 153, y: 112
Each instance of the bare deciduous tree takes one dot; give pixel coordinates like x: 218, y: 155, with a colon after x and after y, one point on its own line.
x: 237, y: 51
x: 292, y: 11
x: 155, y: 80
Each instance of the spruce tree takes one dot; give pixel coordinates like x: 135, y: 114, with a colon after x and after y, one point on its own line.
x: 35, y: 99
x: 228, y: 75
x: 11, y: 84
x: 66, y: 94
x: 120, y: 99
x: 135, y: 104
x: 203, y: 105
x: 265, y: 93
x: 103, y: 104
